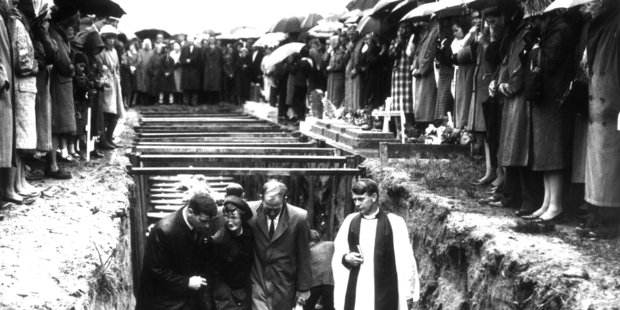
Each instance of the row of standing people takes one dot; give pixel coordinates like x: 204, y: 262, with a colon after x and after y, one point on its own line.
x: 189, y: 72
x: 53, y: 70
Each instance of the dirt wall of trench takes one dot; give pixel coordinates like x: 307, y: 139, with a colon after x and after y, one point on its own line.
x: 470, y: 259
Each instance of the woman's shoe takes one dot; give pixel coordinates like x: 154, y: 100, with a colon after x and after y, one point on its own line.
x: 554, y: 220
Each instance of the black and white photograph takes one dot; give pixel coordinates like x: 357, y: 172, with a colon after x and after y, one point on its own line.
x: 309, y: 155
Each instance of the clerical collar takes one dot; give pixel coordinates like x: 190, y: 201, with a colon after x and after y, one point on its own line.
x: 372, y: 216
x: 185, y: 219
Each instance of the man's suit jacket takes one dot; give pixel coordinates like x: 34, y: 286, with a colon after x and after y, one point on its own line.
x: 281, y: 264
x: 173, y: 255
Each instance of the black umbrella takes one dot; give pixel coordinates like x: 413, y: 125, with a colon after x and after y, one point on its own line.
x: 401, y: 9
x: 96, y: 7
x: 361, y: 4
x: 383, y: 8
x: 287, y: 24
x: 151, y: 34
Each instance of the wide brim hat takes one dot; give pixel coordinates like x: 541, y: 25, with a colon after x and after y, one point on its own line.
x: 108, y: 30
x: 239, y: 204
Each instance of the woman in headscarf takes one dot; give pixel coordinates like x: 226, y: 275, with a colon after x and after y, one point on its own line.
x: 61, y: 89
x: 242, y: 76
x: 143, y: 82
x: 464, y: 72
x: 175, y: 55
x: 551, y: 129
x: 232, y: 257
x: 335, y: 57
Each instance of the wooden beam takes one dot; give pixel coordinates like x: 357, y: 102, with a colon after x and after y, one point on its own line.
x: 197, y: 158
x: 207, y: 120
x: 254, y: 144
x: 239, y: 171
x: 234, y: 150
x: 282, y: 133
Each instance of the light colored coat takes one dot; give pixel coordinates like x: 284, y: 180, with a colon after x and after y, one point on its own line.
x: 6, y: 103
x: 25, y: 90
x: 111, y: 100
x: 603, y: 142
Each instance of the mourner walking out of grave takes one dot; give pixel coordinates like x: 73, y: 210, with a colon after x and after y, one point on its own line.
x: 175, y: 272
x: 281, y: 267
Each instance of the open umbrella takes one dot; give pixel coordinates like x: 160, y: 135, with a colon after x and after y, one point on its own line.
x: 565, y: 4
x: 96, y: 7
x: 310, y: 21
x: 369, y: 24
x: 325, y: 29
x: 353, y: 13
x: 271, y: 39
x: 423, y: 11
x: 384, y: 7
x: 287, y: 24
x: 243, y: 32
x: 452, y: 8
x: 151, y: 34
x: 401, y: 9
x: 361, y: 4
x: 280, y: 54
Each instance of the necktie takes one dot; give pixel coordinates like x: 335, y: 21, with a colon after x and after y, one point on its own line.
x: 271, y: 229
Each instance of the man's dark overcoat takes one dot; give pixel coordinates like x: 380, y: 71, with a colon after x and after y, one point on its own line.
x: 281, y: 264
x: 191, y: 70
x: 173, y: 254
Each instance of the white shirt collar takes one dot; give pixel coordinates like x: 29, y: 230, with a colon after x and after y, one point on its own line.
x: 371, y: 216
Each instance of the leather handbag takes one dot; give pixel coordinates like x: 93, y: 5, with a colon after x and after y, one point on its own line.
x: 533, y: 76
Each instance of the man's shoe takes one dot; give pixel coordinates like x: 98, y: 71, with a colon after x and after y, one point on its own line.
x: 105, y: 145
x: 96, y: 154
x: 58, y: 174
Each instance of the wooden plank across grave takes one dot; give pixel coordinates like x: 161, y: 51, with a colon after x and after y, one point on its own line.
x: 194, y: 129
x: 198, y: 158
x: 144, y: 149
x: 160, y: 135
x: 237, y: 171
x: 209, y: 120
x: 274, y: 144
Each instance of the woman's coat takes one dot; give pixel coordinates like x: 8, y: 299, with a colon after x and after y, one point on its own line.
x: 602, y: 159
x: 61, y: 84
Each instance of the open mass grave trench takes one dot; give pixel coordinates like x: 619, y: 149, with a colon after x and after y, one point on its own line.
x: 467, y: 260
x: 174, y: 149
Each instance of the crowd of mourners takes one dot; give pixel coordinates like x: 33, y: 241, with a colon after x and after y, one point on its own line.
x: 537, y: 90
x: 56, y: 70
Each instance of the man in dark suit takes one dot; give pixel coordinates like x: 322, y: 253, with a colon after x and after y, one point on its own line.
x: 281, y: 251
x: 174, y: 273
x: 191, y: 64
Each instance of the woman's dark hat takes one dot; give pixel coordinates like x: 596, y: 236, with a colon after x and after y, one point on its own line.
x: 239, y: 204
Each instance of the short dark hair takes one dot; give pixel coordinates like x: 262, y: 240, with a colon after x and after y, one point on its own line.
x: 203, y: 203
x: 365, y: 186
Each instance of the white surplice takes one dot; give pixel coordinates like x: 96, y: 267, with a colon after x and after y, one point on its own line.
x: 406, y: 268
